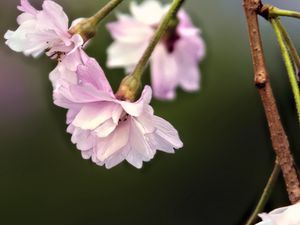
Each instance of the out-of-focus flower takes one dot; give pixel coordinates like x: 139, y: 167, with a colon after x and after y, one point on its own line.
x: 289, y: 215
x: 109, y: 130
x: 174, y: 61
x: 43, y: 30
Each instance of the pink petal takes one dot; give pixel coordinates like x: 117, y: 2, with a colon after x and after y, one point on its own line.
x: 93, y: 115
x: 18, y: 40
x: 146, y: 120
x: 116, y: 114
x: 62, y: 74
x: 25, y: 6
x: 135, y: 159
x: 77, y: 41
x: 57, y: 16
x: 106, y: 128
x: 136, y: 108
x: 86, y: 154
x: 24, y: 17
x: 114, y: 143
x: 189, y: 68
x: 164, y: 73
x: 167, y: 132
x: 125, y: 54
x: 72, y: 113
x: 117, y: 158
x: 93, y: 74
x: 184, y: 18
x: 145, y: 11
x: 128, y: 30
x: 82, y: 138
x: 138, y: 142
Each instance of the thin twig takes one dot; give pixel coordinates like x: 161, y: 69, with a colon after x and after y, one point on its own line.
x: 288, y: 63
x: 139, y: 69
x: 131, y: 83
x: 265, y: 195
x: 279, y: 139
x: 274, y: 12
x: 290, y: 44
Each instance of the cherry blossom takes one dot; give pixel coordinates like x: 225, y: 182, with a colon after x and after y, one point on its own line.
x: 107, y: 129
x: 43, y: 30
x: 175, y: 59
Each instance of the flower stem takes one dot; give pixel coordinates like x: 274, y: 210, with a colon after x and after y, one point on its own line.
x: 87, y: 27
x: 265, y: 195
x: 274, y: 12
x: 105, y: 10
x: 290, y: 45
x: 288, y: 63
x: 140, y: 67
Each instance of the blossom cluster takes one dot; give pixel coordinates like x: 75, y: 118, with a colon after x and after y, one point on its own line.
x: 105, y: 127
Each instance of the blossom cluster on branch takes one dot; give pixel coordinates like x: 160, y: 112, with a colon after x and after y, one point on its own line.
x: 110, y: 127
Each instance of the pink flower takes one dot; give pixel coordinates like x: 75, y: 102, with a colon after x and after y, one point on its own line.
x: 289, y: 215
x: 42, y: 30
x: 109, y: 130
x: 174, y: 61
x: 65, y: 71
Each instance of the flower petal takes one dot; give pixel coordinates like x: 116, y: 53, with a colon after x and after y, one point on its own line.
x: 82, y: 138
x: 26, y: 7
x: 93, y: 115
x: 54, y: 17
x: 129, y: 30
x: 149, y: 12
x: 138, y: 142
x: 136, y: 108
x: 18, y: 40
x: 189, y: 78
x: 112, y: 144
x: 93, y: 74
x: 106, y: 128
x: 167, y: 132
x: 125, y: 54
x: 164, y: 73
x: 116, y: 158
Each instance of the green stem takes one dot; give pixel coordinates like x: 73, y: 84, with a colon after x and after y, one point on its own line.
x: 265, y: 195
x: 274, y: 12
x: 105, y: 10
x: 288, y: 64
x: 87, y: 28
x: 140, y: 67
x: 290, y: 45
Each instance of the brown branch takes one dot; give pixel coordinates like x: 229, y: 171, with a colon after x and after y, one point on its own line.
x: 279, y: 139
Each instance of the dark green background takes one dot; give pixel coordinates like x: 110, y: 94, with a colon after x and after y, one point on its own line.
x: 215, y: 179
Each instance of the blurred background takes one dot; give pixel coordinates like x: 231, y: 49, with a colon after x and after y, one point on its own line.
x: 215, y: 179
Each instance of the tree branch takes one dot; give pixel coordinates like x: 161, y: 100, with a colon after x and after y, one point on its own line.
x: 279, y: 139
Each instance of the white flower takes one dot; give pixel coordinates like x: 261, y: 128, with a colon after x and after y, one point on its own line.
x: 289, y: 215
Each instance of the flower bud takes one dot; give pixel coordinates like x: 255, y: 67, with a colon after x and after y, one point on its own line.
x: 86, y: 28
x: 128, y: 88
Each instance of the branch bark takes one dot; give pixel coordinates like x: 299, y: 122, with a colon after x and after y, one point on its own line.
x: 279, y: 139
